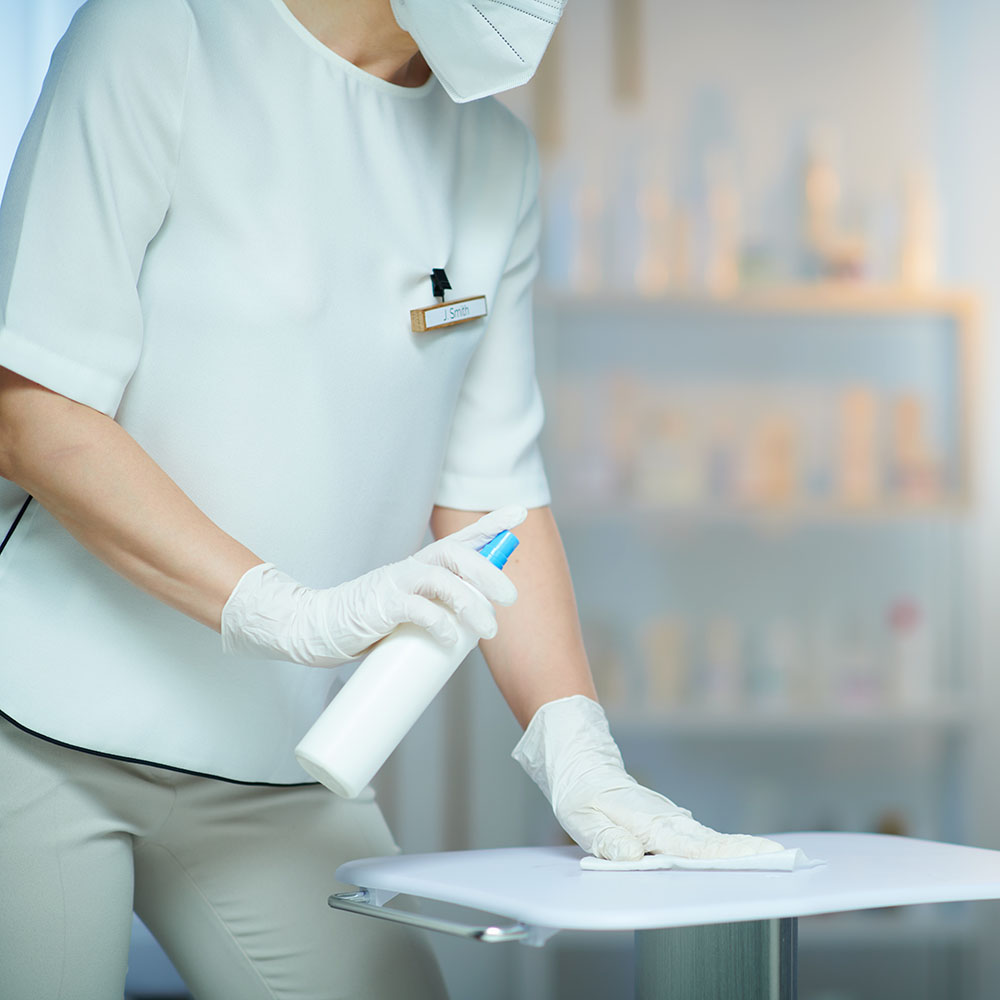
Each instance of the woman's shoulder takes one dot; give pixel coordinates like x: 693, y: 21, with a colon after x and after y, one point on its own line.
x: 113, y: 49
x: 118, y: 19
x: 116, y: 30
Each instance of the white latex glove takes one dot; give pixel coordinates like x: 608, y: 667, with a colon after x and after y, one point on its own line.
x: 568, y: 751
x: 269, y: 615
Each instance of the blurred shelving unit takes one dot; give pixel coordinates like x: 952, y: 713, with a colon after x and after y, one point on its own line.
x: 777, y: 623
x: 842, y: 301
x: 841, y: 297
x: 790, y: 722
x: 775, y: 516
x: 601, y: 341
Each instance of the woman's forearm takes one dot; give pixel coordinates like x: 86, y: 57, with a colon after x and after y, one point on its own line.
x: 91, y: 475
x: 537, y: 654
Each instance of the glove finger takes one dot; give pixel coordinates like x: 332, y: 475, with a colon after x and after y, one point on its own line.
x: 738, y: 845
x: 615, y: 843
x: 471, y: 608
x: 430, y: 616
x: 480, y: 532
x: 478, y: 572
x: 591, y: 828
x: 687, y: 838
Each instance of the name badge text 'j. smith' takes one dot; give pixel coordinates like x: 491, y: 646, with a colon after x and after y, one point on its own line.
x: 444, y: 314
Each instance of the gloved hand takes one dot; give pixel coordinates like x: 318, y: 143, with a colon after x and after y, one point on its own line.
x: 568, y: 751
x: 269, y: 615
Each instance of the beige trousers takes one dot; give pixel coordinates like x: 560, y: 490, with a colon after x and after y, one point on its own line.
x: 232, y: 879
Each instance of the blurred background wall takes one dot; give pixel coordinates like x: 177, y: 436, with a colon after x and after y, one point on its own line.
x: 764, y: 330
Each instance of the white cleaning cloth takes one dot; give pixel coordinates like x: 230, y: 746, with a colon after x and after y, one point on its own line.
x: 788, y: 860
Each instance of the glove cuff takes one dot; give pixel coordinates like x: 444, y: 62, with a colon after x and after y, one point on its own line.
x: 561, y: 734
x: 268, y: 616
x: 240, y: 611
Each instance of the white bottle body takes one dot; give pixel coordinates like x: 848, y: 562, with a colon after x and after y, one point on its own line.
x: 378, y: 706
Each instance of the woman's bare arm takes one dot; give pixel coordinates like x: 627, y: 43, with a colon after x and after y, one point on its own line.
x: 537, y: 654
x: 90, y: 474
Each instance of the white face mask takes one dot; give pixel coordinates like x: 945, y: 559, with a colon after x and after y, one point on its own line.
x: 480, y: 47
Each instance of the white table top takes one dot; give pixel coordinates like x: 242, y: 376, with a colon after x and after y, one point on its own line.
x: 545, y: 886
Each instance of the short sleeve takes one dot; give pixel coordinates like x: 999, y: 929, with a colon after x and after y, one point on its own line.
x: 493, y: 456
x: 89, y: 188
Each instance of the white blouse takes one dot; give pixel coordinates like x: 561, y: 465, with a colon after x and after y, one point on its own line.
x: 214, y: 230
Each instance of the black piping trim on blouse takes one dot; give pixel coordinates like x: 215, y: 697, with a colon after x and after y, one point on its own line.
x: 153, y: 763
x: 112, y: 756
x: 17, y: 521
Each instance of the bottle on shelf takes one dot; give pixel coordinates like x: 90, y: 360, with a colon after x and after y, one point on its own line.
x: 918, y: 264
x: 830, y: 251
x: 911, y: 655
x: 655, y: 216
x: 771, y: 680
x: 721, y: 684
x: 858, y: 681
x: 858, y: 453
x: 913, y: 468
x: 587, y: 265
x: 664, y: 643
x: 724, y: 233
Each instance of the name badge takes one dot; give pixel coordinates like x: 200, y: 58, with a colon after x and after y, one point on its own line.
x: 440, y: 315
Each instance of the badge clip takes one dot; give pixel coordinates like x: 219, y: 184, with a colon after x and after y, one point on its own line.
x: 444, y: 314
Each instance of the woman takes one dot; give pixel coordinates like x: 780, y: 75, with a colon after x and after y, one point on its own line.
x: 218, y: 221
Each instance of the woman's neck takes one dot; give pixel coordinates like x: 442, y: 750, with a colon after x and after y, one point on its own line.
x: 365, y: 33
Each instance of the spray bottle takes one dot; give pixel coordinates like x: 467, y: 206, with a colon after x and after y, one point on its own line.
x: 386, y: 695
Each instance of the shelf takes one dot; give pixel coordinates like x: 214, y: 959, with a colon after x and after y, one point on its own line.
x: 946, y: 508
x: 695, y: 723
x: 568, y: 313
x: 821, y: 297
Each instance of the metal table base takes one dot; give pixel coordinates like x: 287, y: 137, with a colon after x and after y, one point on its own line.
x: 755, y: 960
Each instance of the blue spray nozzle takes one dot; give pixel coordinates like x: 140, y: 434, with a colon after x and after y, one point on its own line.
x: 499, y: 548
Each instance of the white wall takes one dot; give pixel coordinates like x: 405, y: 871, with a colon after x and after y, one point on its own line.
x: 966, y: 38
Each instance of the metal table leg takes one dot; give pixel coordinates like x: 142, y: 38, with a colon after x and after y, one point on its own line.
x: 755, y: 960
